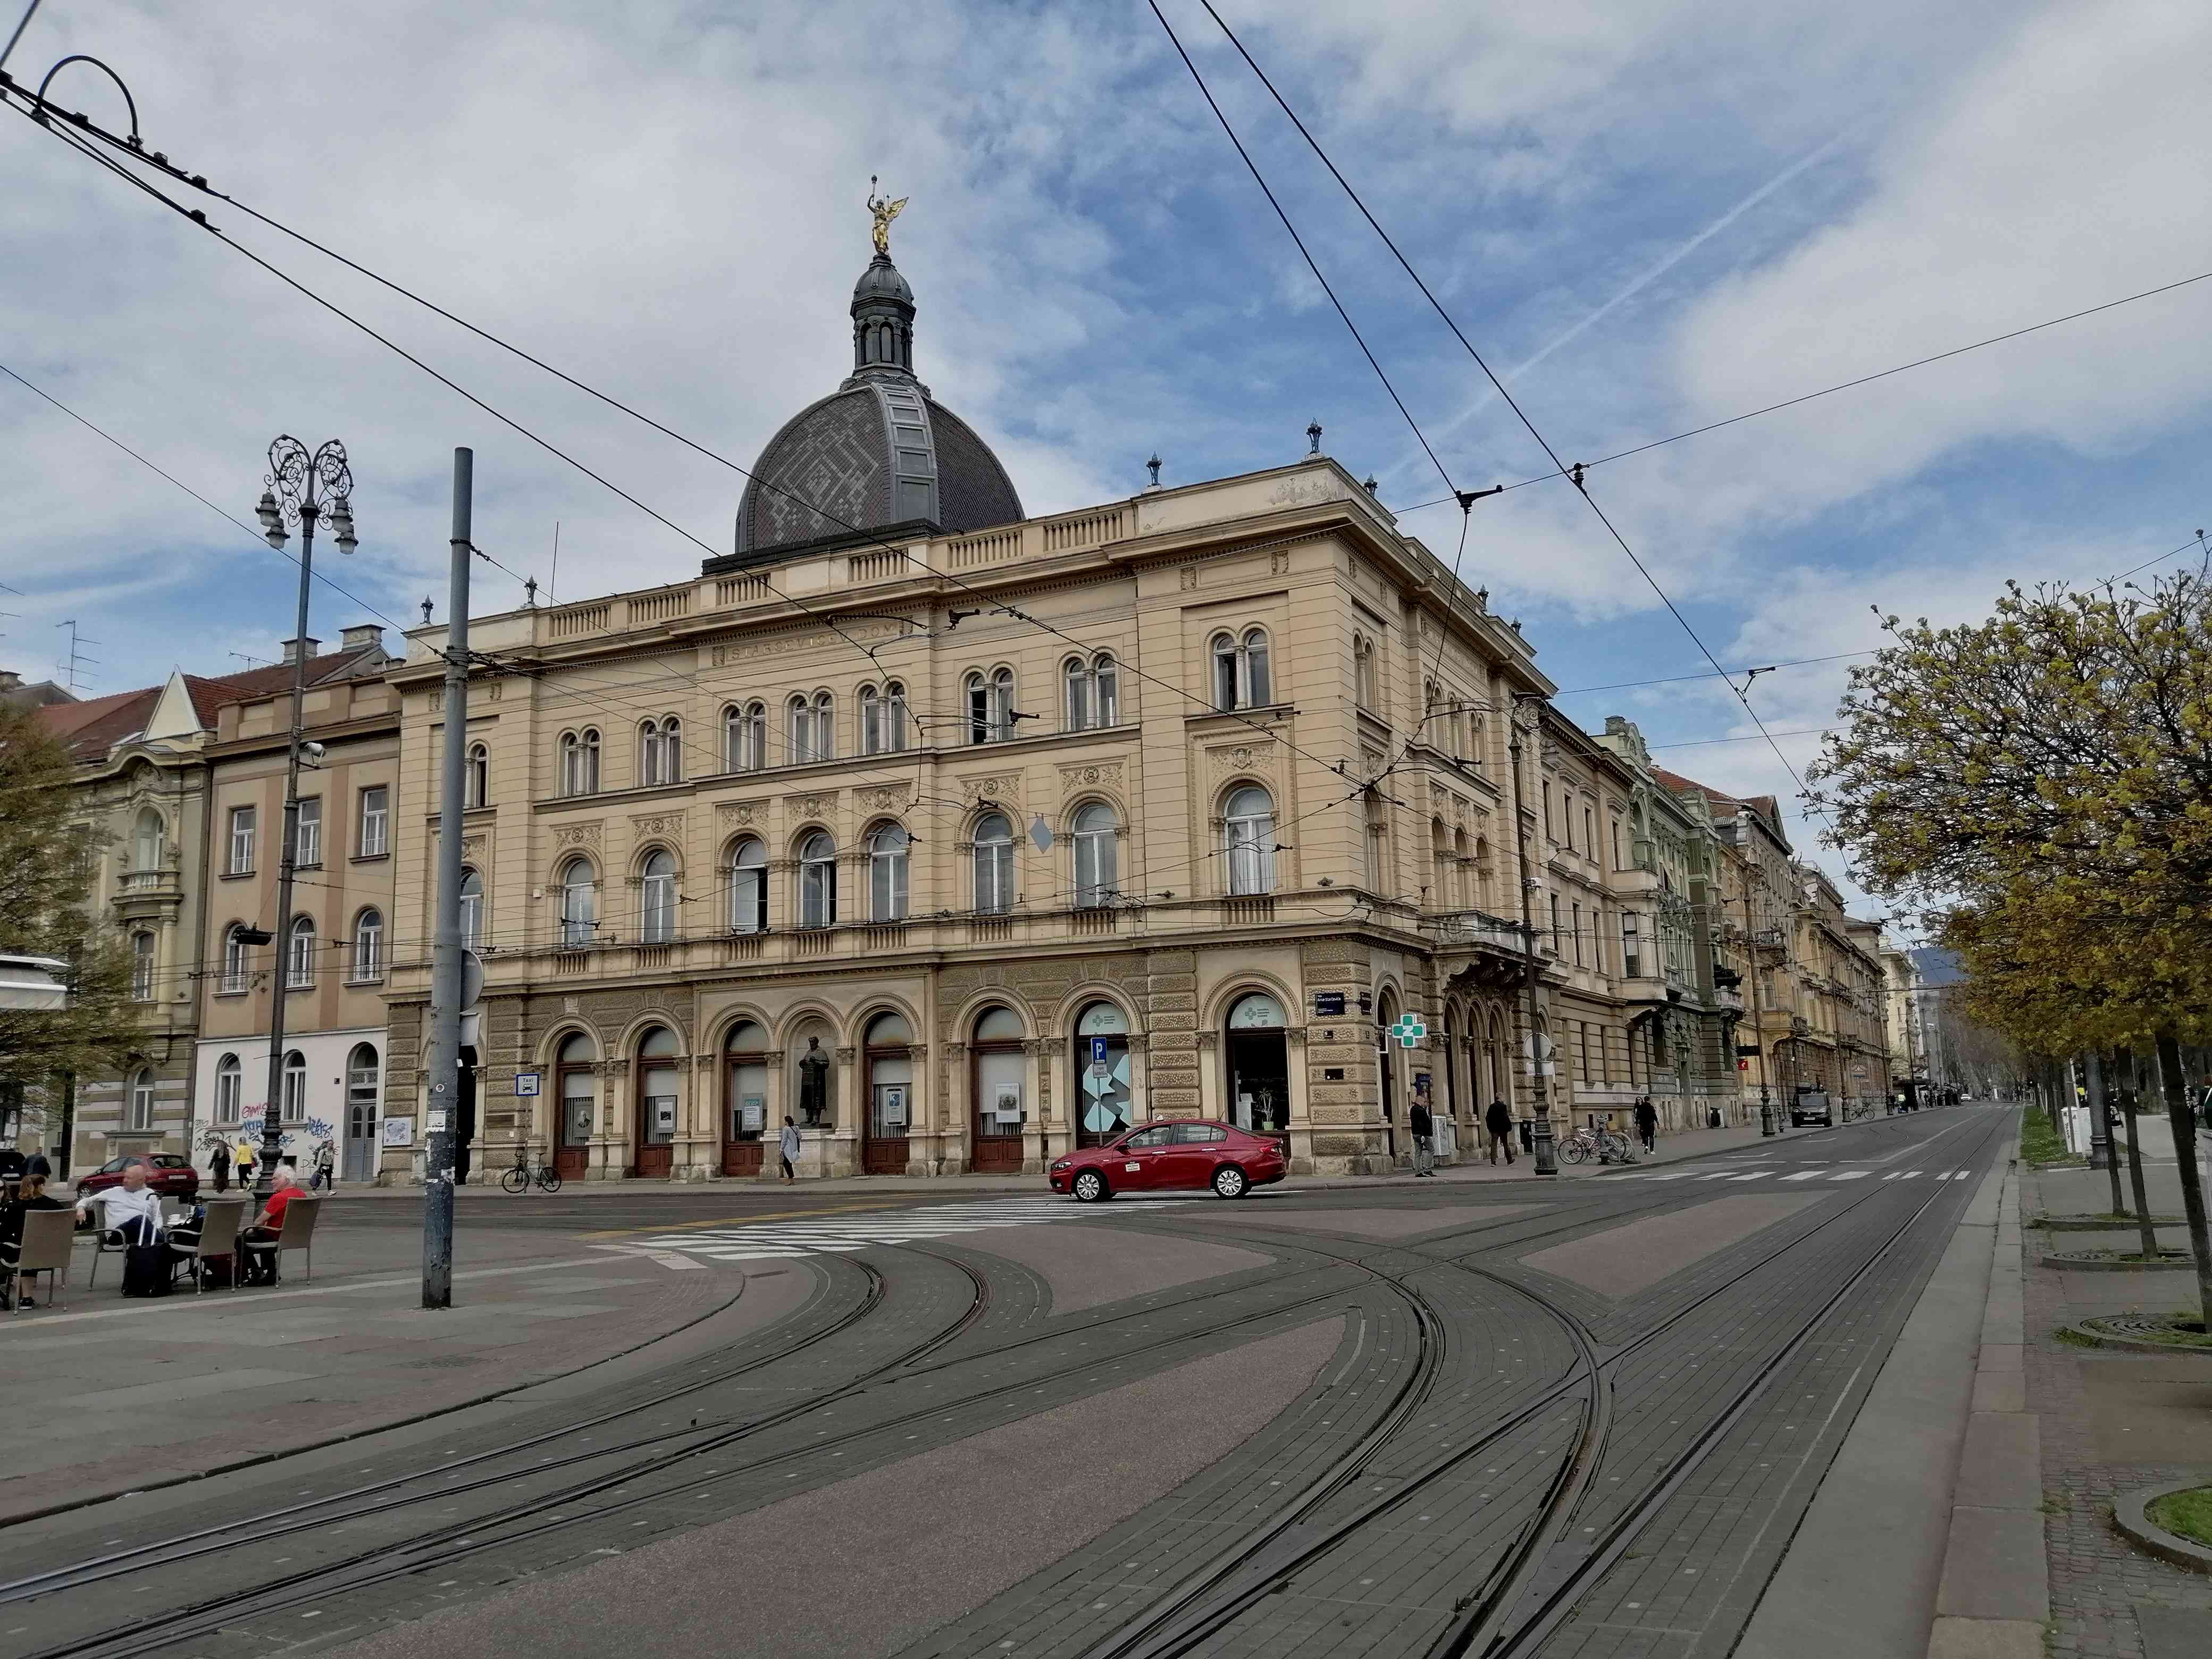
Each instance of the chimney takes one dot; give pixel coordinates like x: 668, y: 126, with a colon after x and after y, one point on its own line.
x: 296, y: 649
x: 10, y: 680
x: 362, y: 636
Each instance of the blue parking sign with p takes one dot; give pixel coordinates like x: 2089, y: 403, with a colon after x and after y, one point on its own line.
x: 1098, y: 1052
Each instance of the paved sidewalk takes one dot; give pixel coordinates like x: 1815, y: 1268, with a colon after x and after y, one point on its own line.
x: 2111, y: 1422
x: 108, y: 1395
x: 1696, y: 1143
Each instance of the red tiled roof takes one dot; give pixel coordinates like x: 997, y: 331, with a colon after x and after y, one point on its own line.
x: 90, y: 728
x: 1766, y: 805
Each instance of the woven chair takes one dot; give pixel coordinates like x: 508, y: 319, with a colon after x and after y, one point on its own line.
x: 226, y: 1219
x: 298, y: 1233
x: 48, y: 1237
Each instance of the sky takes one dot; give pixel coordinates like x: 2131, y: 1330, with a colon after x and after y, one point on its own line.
x: 1647, y: 217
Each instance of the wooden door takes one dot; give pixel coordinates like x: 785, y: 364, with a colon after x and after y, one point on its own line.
x: 888, y: 1112
x: 655, y: 1136
x: 994, y: 1135
x: 576, y: 1101
x: 744, y: 1113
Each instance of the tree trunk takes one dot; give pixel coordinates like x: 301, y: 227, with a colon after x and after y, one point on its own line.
x: 2135, y: 1177
x: 2092, y: 1070
x: 2183, y: 1120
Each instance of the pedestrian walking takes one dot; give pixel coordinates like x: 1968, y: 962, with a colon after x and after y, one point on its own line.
x: 219, y: 1166
x: 326, y: 1176
x: 244, y: 1162
x: 1498, y: 1121
x: 787, y: 1144
x: 1647, y: 1123
x: 1424, y: 1132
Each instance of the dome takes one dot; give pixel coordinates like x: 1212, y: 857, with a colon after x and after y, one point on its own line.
x: 878, y: 455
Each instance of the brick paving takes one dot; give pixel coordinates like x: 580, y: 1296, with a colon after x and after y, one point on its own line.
x: 2097, y: 1577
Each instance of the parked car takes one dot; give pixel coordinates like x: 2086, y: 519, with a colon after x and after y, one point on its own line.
x: 170, y: 1175
x: 1188, y: 1155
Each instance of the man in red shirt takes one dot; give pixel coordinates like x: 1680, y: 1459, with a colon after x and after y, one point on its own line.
x: 264, y: 1227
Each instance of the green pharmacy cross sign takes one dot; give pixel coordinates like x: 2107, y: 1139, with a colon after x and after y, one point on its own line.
x: 1409, y: 1031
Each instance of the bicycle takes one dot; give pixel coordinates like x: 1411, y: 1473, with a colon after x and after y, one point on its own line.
x: 1610, y: 1146
x: 526, y: 1172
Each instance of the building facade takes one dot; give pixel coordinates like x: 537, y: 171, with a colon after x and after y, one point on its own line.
x: 1838, y: 1049
x: 335, y: 962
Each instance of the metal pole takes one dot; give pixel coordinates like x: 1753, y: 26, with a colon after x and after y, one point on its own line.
x: 1767, y: 1127
x: 1547, y: 1163
x: 444, y: 1108
x: 272, y: 1128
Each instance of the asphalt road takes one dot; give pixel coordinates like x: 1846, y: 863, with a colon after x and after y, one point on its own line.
x: 1580, y: 1418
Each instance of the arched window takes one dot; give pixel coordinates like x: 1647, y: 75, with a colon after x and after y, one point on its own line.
x: 473, y: 910
x: 1075, y: 681
x: 362, y: 1069
x: 368, y: 945
x: 1103, y: 1102
x: 994, y: 864
x: 1378, y: 843
x: 661, y: 752
x: 798, y: 733
x: 295, y: 1088
x: 142, y: 1099
x: 894, y: 717
x: 235, y: 967
x: 299, y: 960
x: 580, y: 762
x: 576, y: 1070
x: 749, y: 887
x: 579, y: 903
x: 887, y: 873
x: 142, y: 967
x: 1106, y: 682
x: 745, y: 737
x: 477, y: 785
x: 872, y: 720
x: 657, y: 905
x: 150, y: 842
x: 1250, y: 840
x: 818, y: 881
x: 1362, y: 670
x: 825, y: 727
x: 991, y: 707
x: 1242, y: 678
x: 1091, y: 692
x: 1097, y: 878
x: 659, y: 1082
x: 229, y: 1089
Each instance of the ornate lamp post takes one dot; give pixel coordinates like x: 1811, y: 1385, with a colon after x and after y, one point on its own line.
x: 1547, y: 1162
x: 302, y: 489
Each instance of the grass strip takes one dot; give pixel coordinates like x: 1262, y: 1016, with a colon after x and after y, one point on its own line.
x: 2186, y: 1513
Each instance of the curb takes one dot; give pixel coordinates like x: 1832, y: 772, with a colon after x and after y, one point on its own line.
x: 2081, y: 1224
x: 2129, y: 1345
x: 2128, y: 1515
x: 1995, y: 1594
x: 2088, y: 1264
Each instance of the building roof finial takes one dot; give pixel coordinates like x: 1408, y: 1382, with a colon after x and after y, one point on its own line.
x: 884, y: 211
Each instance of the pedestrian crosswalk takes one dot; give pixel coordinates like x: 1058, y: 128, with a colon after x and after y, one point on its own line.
x: 1824, y: 1173
x: 766, y: 1241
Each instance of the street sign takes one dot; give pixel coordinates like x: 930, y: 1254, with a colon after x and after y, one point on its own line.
x: 1328, y: 1004
x: 1750, y: 1048
x: 1409, y: 1031
x: 471, y: 979
x: 1743, y: 1066
x: 1099, y: 1064
x: 526, y: 1084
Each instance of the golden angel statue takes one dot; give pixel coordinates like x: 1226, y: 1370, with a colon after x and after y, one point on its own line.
x: 885, y: 211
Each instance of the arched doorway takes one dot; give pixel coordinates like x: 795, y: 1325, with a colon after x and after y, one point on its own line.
x: 1386, y: 1016
x: 994, y: 1129
x: 744, y: 1114
x: 1447, y: 1049
x: 890, y: 1058
x: 1259, y: 1064
x: 359, y: 1160
x: 656, y: 1083
x: 576, y: 1085
x: 1101, y: 1093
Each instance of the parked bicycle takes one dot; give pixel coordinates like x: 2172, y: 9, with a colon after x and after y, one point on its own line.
x: 1608, y: 1145
x: 527, y: 1172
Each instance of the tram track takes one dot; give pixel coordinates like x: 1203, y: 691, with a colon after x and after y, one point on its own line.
x: 1206, y: 1603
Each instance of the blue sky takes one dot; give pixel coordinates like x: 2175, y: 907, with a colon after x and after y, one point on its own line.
x: 1647, y: 215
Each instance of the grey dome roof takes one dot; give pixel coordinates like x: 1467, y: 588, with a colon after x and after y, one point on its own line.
x: 876, y: 455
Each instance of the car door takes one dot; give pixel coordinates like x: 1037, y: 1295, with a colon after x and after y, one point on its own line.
x: 1139, y: 1163
x: 1191, y: 1155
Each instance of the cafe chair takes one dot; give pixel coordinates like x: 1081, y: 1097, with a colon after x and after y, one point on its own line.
x: 298, y: 1233
x: 225, y: 1220
x: 101, y: 1246
x: 48, y: 1237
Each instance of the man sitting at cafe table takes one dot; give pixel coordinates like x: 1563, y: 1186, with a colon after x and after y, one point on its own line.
x: 264, y: 1227
x: 130, y: 1213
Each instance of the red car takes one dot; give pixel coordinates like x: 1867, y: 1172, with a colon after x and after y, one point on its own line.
x: 1187, y: 1155
x: 165, y: 1173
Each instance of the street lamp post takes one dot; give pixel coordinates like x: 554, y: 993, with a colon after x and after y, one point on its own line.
x: 302, y: 489
x: 1753, y: 936
x: 1547, y: 1162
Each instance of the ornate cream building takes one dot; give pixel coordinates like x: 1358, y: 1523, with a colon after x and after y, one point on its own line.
x: 964, y: 837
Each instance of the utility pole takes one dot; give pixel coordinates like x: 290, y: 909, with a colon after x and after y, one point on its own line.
x: 1547, y: 1163
x: 447, y: 955
x: 1767, y: 1127
x: 307, y: 485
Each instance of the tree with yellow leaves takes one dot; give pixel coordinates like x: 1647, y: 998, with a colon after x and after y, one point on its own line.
x: 2043, y: 781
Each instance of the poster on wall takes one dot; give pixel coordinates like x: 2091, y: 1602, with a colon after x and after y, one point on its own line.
x: 752, y: 1113
x: 663, y: 1114
x: 399, y: 1132
x: 890, y: 1105
x: 1008, y: 1109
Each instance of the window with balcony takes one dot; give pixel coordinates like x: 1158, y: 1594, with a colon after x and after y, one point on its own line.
x: 142, y: 967
x: 299, y: 959
x: 579, y: 903
x: 818, y: 881
x: 1097, y: 879
x: 657, y: 897
x: 749, y: 886
x: 1249, y: 822
x: 887, y: 873
x: 237, y: 973
x: 993, y: 850
x: 368, y: 945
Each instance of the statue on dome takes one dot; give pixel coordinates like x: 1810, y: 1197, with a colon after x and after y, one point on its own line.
x: 884, y: 211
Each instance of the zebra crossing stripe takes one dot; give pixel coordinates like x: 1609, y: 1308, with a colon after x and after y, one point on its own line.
x: 1850, y: 1174
x: 1805, y: 1175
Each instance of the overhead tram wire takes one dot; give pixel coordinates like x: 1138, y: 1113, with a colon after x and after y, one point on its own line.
x: 83, y: 123
x: 1574, y: 473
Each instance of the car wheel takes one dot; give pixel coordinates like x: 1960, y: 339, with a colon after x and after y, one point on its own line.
x: 1090, y: 1187
x: 1229, y: 1182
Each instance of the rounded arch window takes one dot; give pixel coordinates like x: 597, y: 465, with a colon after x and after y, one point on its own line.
x: 825, y: 726
x: 299, y: 959
x: 579, y: 903
x: 1249, y: 832
x: 888, y: 859
x: 658, y: 1083
x: 477, y: 790
x: 1102, y: 1090
x: 747, y: 1037
x: 472, y: 916
x: 999, y: 1024
x: 818, y: 881
x: 368, y: 945
x: 994, y: 864
x: 142, y: 967
x: 229, y: 1089
x: 142, y: 1099
x: 1098, y: 875
x: 657, y: 910
x: 150, y: 840
x: 576, y: 1080
x: 891, y: 1076
x: 749, y: 886
x: 234, y: 959
x: 1103, y: 1020
x: 296, y: 1087
x: 889, y: 1030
